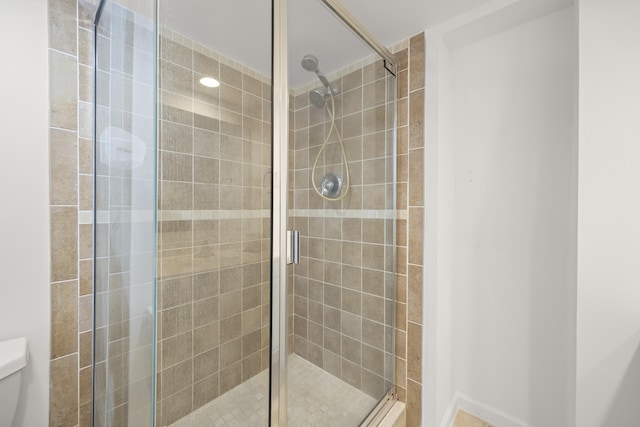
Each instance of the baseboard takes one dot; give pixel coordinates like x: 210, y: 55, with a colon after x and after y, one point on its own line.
x: 485, y: 412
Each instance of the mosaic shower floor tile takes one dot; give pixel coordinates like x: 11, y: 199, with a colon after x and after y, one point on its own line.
x: 315, y: 398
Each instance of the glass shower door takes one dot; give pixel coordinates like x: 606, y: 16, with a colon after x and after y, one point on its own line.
x: 214, y: 213
x: 124, y: 216
x: 199, y: 319
x: 342, y: 186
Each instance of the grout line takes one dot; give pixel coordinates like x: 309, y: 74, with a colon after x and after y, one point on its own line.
x: 70, y: 55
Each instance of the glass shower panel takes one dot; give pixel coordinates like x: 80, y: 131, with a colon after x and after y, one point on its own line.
x: 124, y: 219
x: 214, y: 213
x: 342, y: 172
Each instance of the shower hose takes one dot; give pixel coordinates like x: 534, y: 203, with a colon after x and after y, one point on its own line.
x: 331, y: 111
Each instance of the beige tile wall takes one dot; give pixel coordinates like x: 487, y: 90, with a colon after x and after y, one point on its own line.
x: 343, y: 286
x: 70, y: 63
x: 410, y: 232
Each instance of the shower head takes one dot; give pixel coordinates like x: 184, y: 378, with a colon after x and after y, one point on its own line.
x: 310, y: 63
x: 316, y: 97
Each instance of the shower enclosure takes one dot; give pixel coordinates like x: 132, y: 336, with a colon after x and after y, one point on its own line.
x: 244, y: 215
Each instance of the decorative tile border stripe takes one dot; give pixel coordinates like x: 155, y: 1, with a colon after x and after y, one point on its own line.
x: 105, y: 216
x: 212, y: 214
x: 136, y: 216
x: 349, y: 213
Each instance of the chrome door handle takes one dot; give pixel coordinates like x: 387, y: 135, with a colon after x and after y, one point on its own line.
x: 293, y: 247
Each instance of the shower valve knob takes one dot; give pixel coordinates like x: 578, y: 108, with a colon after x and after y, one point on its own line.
x: 331, y: 186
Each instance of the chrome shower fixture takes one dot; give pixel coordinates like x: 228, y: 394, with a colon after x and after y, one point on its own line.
x: 310, y: 63
x: 332, y: 187
x: 317, y: 97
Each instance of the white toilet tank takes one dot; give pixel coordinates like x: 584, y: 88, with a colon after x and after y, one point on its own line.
x: 13, y: 357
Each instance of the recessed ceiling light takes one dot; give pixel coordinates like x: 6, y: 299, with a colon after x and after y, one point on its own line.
x: 209, y: 82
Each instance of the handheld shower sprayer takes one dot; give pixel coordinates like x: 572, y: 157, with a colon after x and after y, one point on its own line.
x: 332, y: 187
x: 318, y: 96
x: 310, y: 63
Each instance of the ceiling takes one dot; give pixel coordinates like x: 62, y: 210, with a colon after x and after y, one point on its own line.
x: 241, y: 29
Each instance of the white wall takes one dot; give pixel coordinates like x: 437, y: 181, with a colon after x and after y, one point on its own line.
x: 439, y: 233
x: 506, y: 149
x: 608, y: 359
x: 24, y: 172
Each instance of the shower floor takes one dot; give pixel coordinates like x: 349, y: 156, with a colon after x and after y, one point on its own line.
x: 315, y: 398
